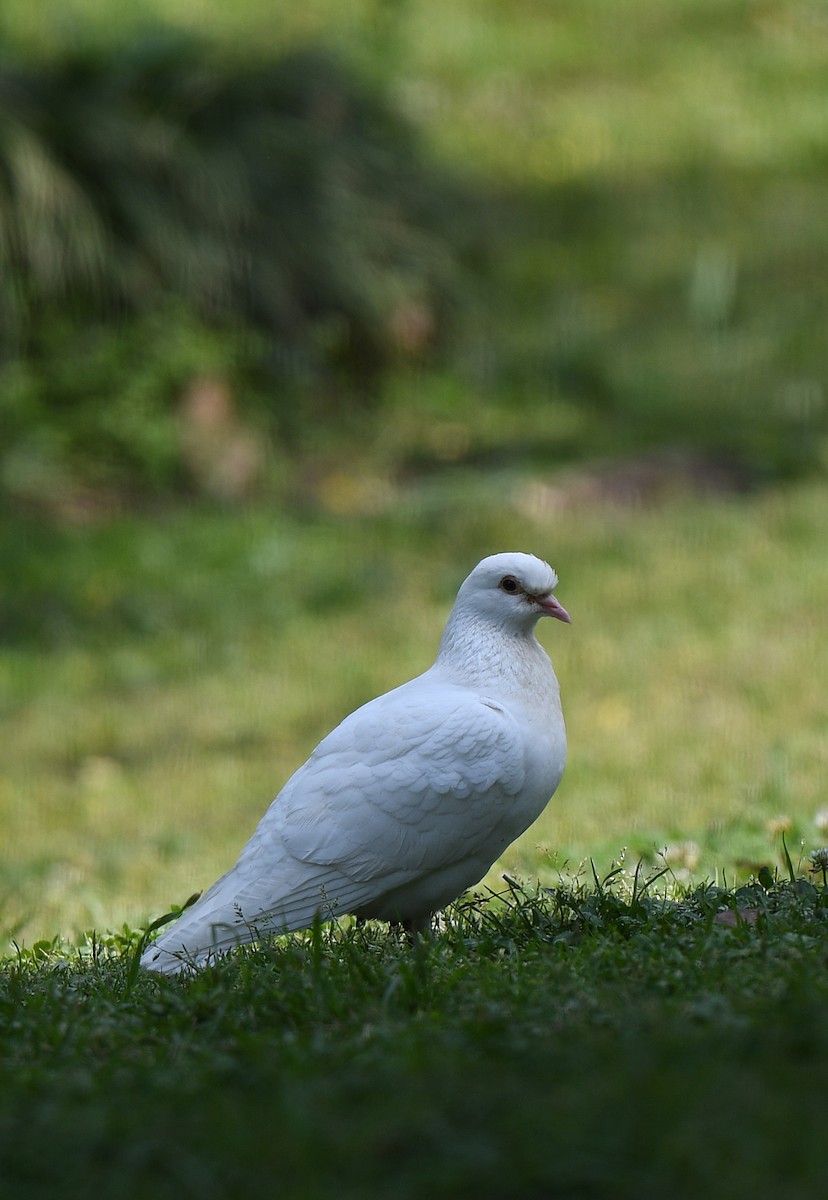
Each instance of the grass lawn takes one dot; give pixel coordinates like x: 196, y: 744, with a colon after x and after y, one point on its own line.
x: 572, y: 1043
x: 166, y: 677
x: 596, y: 1029
x: 160, y: 679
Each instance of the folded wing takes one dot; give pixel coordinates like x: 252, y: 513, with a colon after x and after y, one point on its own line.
x: 396, y: 792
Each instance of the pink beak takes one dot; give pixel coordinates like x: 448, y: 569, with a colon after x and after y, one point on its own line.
x: 552, y: 608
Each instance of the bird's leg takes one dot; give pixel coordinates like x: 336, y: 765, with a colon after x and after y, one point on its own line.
x: 413, y: 927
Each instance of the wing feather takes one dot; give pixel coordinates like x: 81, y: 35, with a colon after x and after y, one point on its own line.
x: 374, y: 802
x: 399, y: 790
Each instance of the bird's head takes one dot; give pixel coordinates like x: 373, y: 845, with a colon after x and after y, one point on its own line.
x: 512, y: 590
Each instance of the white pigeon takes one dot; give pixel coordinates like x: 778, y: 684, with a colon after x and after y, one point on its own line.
x: 412, y: 798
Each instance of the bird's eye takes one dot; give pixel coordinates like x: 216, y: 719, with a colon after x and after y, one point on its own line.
x: 509, y: 584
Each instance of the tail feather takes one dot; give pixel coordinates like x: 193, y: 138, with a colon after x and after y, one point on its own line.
x: 231, y: 914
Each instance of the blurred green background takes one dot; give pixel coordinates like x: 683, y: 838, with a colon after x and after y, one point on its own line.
x: 305, y: 308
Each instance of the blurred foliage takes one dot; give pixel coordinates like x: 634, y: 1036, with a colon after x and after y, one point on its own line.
x: 166, y: 214
x: 551, y: 233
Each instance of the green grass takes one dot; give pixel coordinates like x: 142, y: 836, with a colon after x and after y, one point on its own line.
x: 569, y: 1043
x: 162, y: 674
x: 166, y: 676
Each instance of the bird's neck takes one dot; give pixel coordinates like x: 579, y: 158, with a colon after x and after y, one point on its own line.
x: 476, y: 653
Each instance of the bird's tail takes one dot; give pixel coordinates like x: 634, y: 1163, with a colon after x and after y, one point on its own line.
x: 229, y: 915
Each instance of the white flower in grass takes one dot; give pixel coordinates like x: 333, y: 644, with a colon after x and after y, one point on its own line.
x: 819, y: 863
x: 821, y: 821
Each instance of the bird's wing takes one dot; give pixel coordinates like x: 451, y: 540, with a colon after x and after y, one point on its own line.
x: 399, y: 784
x: 406, y: 784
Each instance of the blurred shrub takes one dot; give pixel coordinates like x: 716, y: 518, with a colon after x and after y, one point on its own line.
x: 158, y: 205
x: 104, y: 405
x: 675, y: 308
x: 201, y: 258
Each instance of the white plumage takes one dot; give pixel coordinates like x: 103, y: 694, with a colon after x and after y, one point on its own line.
x: 412, y: 798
